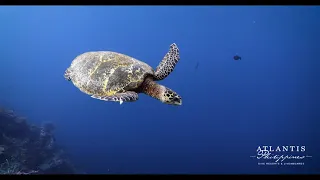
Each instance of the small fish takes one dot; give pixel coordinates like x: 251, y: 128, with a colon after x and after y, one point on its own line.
x: 236, y: 57
x: 197, y: 65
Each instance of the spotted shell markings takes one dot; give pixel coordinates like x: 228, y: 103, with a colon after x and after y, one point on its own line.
x: 104, y: 73
x: 101, y: 74
x: 123, y: 78
x: 81, y: 67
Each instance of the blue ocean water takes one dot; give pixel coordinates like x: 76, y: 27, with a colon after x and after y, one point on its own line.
x: 230, y: 108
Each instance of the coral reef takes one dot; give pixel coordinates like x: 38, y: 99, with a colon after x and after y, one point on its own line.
x: 29, y: 149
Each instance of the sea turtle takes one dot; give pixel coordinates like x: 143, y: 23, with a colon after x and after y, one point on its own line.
x: 112, y: 76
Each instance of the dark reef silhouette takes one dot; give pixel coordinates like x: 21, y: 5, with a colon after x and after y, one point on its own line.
x: 29, y: 149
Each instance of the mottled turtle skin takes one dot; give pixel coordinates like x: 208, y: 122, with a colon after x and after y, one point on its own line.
x: 112, y: 76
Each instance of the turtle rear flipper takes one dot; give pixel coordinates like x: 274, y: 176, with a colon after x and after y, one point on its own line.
x: 67, y: 75
x: 128, y: 96
x: 168, y: 63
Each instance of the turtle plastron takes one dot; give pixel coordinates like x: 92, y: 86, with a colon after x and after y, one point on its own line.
x: 128, y: 96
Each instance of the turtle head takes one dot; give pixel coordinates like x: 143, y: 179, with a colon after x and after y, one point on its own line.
x: 160, y: 92
x: 67, y: 75
x: 171, y: 97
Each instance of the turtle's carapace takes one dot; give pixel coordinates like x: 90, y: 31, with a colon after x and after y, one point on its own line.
x: 236, y: 57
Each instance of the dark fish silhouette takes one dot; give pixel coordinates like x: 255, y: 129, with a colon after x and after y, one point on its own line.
x: 236, y: 57
x: 197, y: 65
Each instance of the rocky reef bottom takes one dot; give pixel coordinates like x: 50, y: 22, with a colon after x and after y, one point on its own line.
x: 30, y: 149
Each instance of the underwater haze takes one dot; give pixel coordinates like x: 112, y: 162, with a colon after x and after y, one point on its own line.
x: 230, y: 107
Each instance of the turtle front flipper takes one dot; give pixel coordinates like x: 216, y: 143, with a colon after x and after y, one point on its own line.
x: 168, y: 63
x: 128, y: 96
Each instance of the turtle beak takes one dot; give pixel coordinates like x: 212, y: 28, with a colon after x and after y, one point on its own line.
x: 177, y: 101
